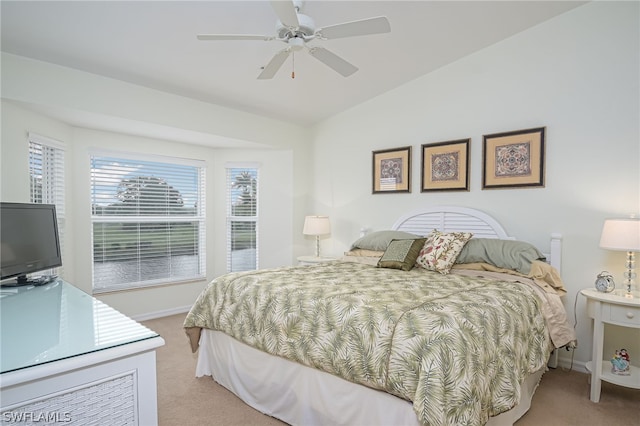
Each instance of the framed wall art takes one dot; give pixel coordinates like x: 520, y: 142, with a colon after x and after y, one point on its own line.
x: 514, y: 159
x: 445, y: 166
x: 392, y: 170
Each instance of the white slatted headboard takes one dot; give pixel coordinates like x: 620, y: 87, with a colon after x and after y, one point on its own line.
x: 465, y: 219
x: 451, y: 219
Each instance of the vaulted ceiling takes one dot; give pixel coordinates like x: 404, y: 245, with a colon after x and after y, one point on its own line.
x: 154, y: 44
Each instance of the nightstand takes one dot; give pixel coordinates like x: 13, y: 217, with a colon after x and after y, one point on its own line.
x: 312, y: 260
x: 610, y: 308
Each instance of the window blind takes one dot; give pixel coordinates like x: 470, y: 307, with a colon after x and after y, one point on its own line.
x: 46, y: 173
x: 242, y: 218
x: 148, y: 221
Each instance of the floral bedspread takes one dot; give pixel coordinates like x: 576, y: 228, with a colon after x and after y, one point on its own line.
x: 458, y: 347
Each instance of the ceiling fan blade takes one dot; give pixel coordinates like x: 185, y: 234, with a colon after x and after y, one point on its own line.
x: 286, y: 12
x: 333, y: 61
x: 274, y: 64
x: 368, y: 26
x: 226, y: 37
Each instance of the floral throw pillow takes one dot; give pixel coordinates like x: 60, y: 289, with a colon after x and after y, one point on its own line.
x: 441, y: 249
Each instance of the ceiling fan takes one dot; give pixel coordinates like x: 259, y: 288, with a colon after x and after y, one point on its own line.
x: 296, y: 29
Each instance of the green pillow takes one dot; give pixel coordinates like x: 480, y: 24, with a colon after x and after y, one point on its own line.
x: 379, y: 240
x: 401, y: 254
x: 508, y: 254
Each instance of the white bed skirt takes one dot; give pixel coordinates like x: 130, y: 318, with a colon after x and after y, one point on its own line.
x: 300, y: 395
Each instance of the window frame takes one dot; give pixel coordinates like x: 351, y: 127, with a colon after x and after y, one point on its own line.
x: 231, y: 219
x: 140, y: 221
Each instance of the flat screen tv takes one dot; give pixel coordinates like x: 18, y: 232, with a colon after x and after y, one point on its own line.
x: 29, y: 241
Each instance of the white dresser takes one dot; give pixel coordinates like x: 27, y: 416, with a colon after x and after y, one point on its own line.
x: 67, y: 357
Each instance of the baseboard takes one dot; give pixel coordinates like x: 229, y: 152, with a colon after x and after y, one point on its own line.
x: 567, y: 364
x: 160, y: 314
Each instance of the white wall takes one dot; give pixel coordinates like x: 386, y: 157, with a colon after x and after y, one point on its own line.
x: 578, y: 75
x: 60, y: 90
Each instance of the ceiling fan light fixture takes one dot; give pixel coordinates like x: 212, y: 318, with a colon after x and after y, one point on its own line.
x: 295, y: 44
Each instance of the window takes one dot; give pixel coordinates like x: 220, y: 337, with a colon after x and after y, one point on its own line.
x: 148, y: 221
x: 242, y: 218
x: 46, y: 171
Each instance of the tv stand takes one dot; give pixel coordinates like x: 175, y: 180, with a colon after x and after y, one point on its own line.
x: 23, y: 280
x: 69, y: 356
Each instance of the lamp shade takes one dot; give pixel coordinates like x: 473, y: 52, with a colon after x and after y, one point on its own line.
x: 621, y: 234
x: 316, y: 225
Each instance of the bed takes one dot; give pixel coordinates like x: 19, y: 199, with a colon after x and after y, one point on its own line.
x: 450, y: 336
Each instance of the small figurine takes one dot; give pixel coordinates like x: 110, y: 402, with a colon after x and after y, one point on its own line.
x: 620, y: 363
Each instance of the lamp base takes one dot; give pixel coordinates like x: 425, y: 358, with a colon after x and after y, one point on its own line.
x: 629, y: 275
x: 317, y: 245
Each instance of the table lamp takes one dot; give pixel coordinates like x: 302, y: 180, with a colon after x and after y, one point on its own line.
x: 623, y: 235
x: 317, y: 225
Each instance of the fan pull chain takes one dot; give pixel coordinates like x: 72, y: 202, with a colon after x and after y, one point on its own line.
x: 293, y: 64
